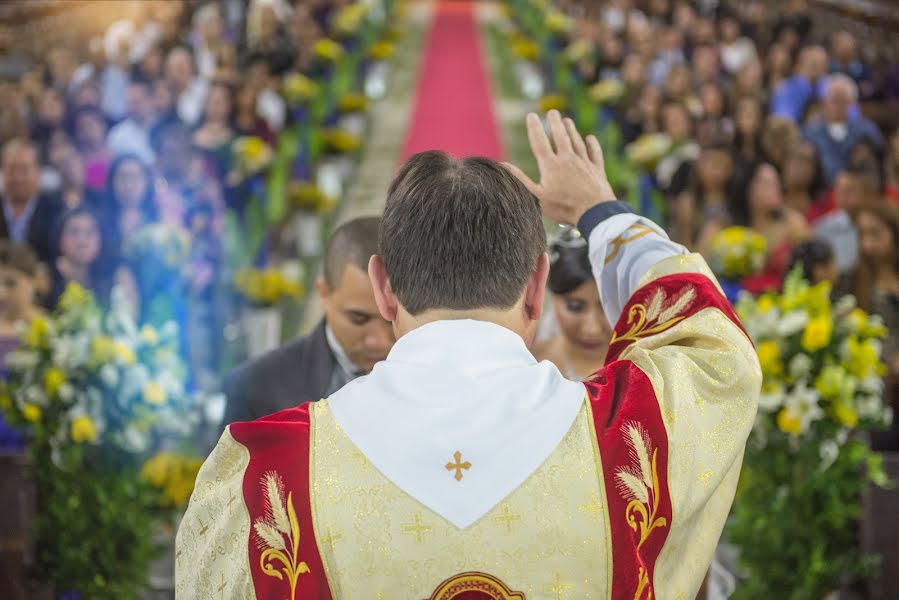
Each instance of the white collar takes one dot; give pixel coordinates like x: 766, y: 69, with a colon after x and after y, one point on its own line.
x: 466, y: 386
x: 339, y: 353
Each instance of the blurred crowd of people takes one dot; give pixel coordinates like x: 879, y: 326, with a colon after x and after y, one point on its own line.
x: 764, y: 114
x: 135, y: 131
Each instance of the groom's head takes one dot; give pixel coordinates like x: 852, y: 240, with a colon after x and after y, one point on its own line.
x: 459, y: 239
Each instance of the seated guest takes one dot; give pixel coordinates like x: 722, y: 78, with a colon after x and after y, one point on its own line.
x: 214, y: 134
x: 802, y: 177
x: 792, y: 96
x: 347, y: 343
x: 21, y: 276
x: 838, y: 134
x: 834, y: 219
x: 845, y: 59
x: 875, y: 282
x: 703, y: 206
x: 133, y: 134
x: 816, y: 259
x: 79, y: 260
x: 89, y: 133
x: 579, y: 347
x: 28, y: 217
x: 757, y: 202
x: 129, y: 203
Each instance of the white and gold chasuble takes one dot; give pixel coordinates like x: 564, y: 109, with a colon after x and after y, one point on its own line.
x: 461, y: 469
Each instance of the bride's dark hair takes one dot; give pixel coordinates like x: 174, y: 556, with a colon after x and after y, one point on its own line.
x: 569, y: 262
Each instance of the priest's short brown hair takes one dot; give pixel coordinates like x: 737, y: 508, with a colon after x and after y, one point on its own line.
x: 459, y: 234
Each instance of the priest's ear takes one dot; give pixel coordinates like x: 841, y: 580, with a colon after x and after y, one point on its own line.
x: 535, y: 292
x: 387, y: 302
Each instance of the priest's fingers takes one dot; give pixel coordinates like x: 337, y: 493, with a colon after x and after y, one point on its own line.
x: 577, y: 142
x: 595, y: 152
x: 560, y: 135
x: 523, y: 178
x: 540, y: 145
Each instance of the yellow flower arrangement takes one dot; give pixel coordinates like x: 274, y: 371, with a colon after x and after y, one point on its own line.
x: 737, y: 252
x: 328, y: 50
x: 352, y: 103
x: 770, y: 359
x: 340, y: 141
x: 557, y: 22
x: 102, y: 349
x: 647, y: 150
x: 149, y: 335
x: 348, y: 21
x: 845, y: 414
x: 54, y: 379
x: 817, y: 334
x: 607, y: 91
x: 74, y: 297
x: 172, y: 474
x: 863, y: 358
x: 154, y: 394
x: 298, y: 89
x: 266, y: 287
x: 251, y: 155
x: 822, y: 360
x: 578, y: 50
x: 553, y: 102
x: 32, y: 412
x: 525, y: 49
x: 382, y: 50
x: 307, y: 196
x: 83, y: 430
x: 97, y: 394
x: 123, y: 353
x: 788, y: 422
x: 38, y: 333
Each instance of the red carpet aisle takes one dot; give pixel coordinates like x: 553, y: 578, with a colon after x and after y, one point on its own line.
x: 453, y: 106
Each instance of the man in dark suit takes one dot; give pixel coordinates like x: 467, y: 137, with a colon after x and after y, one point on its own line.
x: 28, y: 217
x: 347, y: 343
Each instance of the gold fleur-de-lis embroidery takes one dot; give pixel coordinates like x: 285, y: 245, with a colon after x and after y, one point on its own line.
x: 639, y: 483
x: 656, y: 318
x: 278, y: 534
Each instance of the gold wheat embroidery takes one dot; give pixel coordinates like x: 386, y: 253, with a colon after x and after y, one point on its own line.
x: 656, y: 318
x: 278, y: 534
x: 639, y: 483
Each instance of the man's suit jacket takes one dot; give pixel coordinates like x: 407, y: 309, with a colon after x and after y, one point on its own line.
x: 42, y: 227
x: 295, y: 373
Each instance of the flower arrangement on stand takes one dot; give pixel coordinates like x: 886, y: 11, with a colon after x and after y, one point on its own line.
x: 308, y: 203
x: 807, y: 463
x: 157, y: 256
x: 736, y: 252
x: 263, y: 290
x: 251, y: 159
x: 97, y: 396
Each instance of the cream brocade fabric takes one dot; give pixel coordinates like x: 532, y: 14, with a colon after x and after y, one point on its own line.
x: 706, y: 375
x: 211, y: 547
x: 378, y: 542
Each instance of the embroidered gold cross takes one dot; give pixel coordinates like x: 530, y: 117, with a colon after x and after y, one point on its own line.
x: 221, y: 588
x: 458, y: 465
x: 558, y: 587
x: 203, y: 527
x: 594, y: 508
x: 417, y: 527
x: 331, y: 538
x: 507, y: 517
